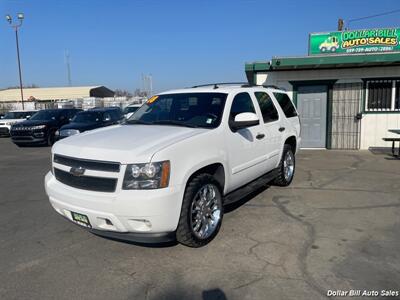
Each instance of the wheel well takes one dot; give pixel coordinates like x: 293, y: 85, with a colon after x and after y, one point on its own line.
x: 291, y: 141
x: 216, y: 170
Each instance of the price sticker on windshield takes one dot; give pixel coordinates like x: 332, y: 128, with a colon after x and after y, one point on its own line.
x: 152, y: 99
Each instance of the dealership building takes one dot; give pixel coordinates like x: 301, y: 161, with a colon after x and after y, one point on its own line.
x: 347, y: 89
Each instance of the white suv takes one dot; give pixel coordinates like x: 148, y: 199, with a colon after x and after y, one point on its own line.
x: 13, y: 117
x: 168, y: 171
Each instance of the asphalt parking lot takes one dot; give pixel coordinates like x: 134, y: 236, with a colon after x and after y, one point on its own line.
x: 336, y: 227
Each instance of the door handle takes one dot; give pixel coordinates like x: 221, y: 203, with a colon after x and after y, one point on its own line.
x: 260, y: 136
x: 282, y: 129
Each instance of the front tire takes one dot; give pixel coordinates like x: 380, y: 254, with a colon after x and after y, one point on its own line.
x: 286, y: 167
x: 51, y: 138
x: 201, y: 213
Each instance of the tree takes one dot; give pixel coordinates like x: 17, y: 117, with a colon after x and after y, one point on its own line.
x: 122, y: 93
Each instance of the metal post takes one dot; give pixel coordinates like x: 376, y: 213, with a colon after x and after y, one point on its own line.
x: 19, y: 68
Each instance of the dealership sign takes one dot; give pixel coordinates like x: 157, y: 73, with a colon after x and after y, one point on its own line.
x: 355, y: 41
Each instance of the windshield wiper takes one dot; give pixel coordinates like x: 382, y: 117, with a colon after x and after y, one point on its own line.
x: 176, y: 123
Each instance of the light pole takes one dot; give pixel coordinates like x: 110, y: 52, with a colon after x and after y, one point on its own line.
x: 20, y: 17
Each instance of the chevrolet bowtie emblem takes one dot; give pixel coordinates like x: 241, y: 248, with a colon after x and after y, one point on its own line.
x: 77, y: 171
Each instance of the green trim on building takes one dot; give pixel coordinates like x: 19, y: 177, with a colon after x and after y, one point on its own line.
x: 327, y: 61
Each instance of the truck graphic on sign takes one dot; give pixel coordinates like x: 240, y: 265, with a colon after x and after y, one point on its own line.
x: 330, y: 44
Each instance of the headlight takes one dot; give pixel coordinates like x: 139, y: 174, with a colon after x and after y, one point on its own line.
x: 69, y: 132
x: 37, y: 127
x: 147, y: 176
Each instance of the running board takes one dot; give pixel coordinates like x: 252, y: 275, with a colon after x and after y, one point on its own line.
x: 250, y: 187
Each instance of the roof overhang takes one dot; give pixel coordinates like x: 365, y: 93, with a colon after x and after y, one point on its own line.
x: 325, y: 62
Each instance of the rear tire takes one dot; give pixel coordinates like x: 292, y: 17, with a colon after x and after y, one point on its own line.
x: 286, y: 167
x: 201, y: 213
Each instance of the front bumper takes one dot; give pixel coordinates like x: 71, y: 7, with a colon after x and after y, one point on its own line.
x: 29, y: 137
x: 134, y: 215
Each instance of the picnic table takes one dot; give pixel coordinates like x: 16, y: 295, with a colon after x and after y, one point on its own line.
x: 394, y: 140
x: 394, y: 131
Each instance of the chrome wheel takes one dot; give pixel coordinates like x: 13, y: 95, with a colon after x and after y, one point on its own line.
x: 288, y: 166
x: 206, y: 211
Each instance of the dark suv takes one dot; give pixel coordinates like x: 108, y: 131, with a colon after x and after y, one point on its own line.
x: 91, y: 119
x: 40, y: 129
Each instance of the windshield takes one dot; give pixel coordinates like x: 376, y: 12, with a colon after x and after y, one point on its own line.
x: 130, y: 109
x: 187, y: 109
x: 46, y: 115
x: 17, y: 115
x: 87, y: 117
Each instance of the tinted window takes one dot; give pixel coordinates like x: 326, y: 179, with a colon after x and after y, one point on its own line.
x: 241, y: 103
x: 51, y: 114
x: 87, y: 117
x: 18, y: 114
x: 71, y: 114
x: 186, y: 109
x: 130, y: 109
x: 267, y: 107
x: 286, y: 104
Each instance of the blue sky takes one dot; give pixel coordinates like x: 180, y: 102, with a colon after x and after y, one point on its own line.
x: 181, y: 43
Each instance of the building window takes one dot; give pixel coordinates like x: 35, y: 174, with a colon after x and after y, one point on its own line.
x: 382, y: 95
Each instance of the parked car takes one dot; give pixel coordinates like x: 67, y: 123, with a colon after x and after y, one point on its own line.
x: 13, y: 117
x: 89, y: 120
x: 168, y: 171
x: 41, y: 127
x: 130, y: 109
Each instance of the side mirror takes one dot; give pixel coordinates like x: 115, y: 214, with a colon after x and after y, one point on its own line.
x: 27, y: 117
x: 244, y: 120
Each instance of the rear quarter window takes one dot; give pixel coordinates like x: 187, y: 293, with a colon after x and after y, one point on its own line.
x: 286, y: 104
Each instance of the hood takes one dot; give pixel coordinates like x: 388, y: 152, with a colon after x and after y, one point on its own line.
x: 124, y: 143
x: 82, y: 126
x: 12, y: 120
x: 36, y: 122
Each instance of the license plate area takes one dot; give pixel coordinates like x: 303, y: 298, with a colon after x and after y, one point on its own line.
x: 81, y: 219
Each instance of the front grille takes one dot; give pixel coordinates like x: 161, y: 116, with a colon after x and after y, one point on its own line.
x: 4, y: 130
x: 98, y: 184
x: 21, y: 133
x: 107, y: 166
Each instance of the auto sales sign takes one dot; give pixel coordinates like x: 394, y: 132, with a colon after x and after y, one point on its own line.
x: 355, y: 41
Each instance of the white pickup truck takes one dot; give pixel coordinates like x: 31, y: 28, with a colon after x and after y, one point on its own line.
x: 167, y: 173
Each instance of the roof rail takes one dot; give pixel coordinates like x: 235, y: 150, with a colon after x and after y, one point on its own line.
x: 272, y: 86
x: 242, y: 84
x: 265, y: 86
x: 220, y: 83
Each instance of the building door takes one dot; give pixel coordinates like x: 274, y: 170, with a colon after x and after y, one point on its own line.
x: 311, y: 105
x: 346, y: 104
